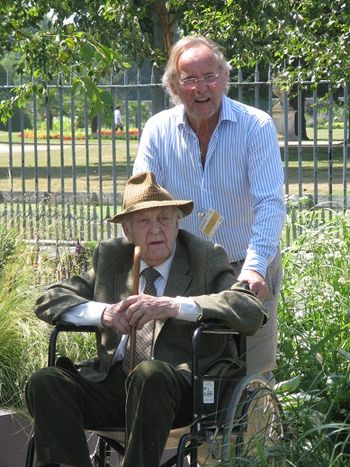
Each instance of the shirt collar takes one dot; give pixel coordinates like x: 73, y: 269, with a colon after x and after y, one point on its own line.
x: 227, y: 110
x: 163, y: 268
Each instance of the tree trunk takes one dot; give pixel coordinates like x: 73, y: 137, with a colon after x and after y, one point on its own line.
x: 94, y: 125
x: 162, y: 34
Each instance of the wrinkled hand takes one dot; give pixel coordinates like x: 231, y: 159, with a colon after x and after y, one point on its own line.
x: 148, y: 308
x: 137, y: 310
x: 114, y: 315
x: 256, y: 283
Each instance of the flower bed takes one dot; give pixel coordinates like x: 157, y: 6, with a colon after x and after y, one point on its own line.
x: 79, y: 135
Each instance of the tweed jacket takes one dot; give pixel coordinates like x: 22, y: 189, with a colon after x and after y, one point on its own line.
x: 199, y: 270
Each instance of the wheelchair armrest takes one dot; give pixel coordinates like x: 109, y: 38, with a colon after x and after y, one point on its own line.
x: 64, y: 327
x: 215, y: 327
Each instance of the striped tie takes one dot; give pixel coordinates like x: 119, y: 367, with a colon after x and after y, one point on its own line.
x: 144, y: 339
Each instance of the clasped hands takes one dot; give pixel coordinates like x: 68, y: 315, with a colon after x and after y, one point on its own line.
x: 137, y: 310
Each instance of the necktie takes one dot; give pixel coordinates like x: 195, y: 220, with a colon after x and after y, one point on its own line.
x: 144, y: 339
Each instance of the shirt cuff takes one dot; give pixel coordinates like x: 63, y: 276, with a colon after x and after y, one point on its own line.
x: 85, y: 314
x: 189, y: 310
x: 256, y: 263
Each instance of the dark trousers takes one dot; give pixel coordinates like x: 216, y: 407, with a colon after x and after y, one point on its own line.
x: 152, y: 399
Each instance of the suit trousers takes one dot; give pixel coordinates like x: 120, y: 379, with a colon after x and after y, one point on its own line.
x: 150, y: 401
x: 262, y: 347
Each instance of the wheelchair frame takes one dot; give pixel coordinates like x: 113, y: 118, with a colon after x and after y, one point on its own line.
x: 234, y: 421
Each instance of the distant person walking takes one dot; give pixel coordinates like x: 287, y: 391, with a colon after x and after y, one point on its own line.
x: 118, y: 119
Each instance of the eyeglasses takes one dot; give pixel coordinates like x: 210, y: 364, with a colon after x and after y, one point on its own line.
x: 191, y: 83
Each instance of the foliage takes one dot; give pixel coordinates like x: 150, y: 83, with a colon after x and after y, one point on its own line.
x: 80, y: 135
x: 307, y: 40
x: 81, y: 40
x: 22, y: 338
x: 26, y: 268
x: 314, y: 348
x: 7, y: 246
x: 57, y: 49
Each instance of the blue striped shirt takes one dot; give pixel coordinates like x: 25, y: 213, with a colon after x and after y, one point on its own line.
x: 242, y: 178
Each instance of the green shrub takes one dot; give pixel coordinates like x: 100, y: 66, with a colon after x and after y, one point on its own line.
x: 7, y: 245
x: 23, y: 340
x: 26, y: 269
x: 314, y: 346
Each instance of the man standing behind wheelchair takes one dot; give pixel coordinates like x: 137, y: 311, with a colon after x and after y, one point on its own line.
x: 225, y: 156
x: 183, y: 281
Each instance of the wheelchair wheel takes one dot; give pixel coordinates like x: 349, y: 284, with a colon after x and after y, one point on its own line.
x: 253, y: 430
x: 99, y: 450
x: 102, y: 452
x: 260, y: 427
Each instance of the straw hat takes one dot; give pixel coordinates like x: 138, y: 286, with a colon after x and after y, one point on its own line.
x: 143, y: 192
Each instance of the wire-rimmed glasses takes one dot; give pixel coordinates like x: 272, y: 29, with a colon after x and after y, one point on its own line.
x: 208, y: 80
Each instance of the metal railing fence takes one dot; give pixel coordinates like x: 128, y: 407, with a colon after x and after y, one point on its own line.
x: 62, y: 172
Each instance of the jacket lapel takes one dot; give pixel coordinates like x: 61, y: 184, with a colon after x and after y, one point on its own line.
x: 180, y: 274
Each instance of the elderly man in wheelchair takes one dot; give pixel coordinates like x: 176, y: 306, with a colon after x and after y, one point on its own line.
x: 182, y: 281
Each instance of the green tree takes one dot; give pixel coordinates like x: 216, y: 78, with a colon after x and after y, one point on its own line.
x: 83, y: 39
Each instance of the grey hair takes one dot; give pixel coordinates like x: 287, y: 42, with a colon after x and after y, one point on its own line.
x: 188, y: 42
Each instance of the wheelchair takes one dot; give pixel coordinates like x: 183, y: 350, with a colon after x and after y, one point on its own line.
x: 237, y: 419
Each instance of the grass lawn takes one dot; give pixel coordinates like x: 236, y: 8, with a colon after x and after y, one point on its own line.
x: 94, y: 169
x: 34, y: 170
x: 302, y: 173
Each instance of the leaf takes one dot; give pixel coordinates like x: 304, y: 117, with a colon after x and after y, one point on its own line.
x: 90, y: 87
x: 87, y: 51
x: 63, y: 56
x: 76, y: 86
x: 345, y: 354
x: 289, y: 385
x: 105, y: 51
x: 70, y: 42
x: 106, y: 98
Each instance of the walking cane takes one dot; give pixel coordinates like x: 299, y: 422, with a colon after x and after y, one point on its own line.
x: 135, y: 291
